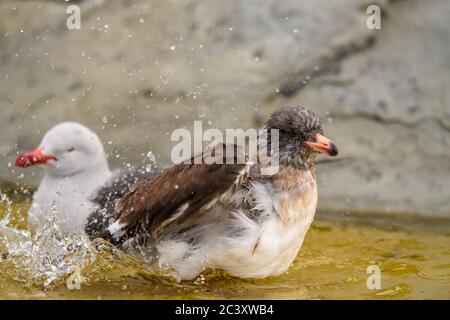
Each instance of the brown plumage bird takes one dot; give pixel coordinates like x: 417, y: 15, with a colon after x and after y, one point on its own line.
x: 195, y: 216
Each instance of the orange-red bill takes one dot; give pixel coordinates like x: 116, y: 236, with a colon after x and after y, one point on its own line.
x: 31, y: 158
x: 323, y: 145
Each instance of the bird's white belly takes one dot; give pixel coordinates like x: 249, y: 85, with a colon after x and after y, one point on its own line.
x: 65, y: 202
x: 68, y: 212
x: 265, y: 252
x: 245, y: 247
x: 262, y: 250
x: 270, y: 247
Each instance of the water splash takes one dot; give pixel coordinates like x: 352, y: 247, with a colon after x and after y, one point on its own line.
x: 331, y: 264
x: 46, y: 258
x: 8, y: 204
x: 54, y: 257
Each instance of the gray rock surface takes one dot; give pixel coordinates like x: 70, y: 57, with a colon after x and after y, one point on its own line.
x: 139, y: 69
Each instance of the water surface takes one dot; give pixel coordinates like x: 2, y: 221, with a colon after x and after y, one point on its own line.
x: 414, y: 263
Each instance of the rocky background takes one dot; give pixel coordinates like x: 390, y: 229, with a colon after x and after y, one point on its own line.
x: 139, y: 69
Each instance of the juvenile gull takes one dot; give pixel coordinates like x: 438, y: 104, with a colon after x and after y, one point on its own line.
x: 195, y: 216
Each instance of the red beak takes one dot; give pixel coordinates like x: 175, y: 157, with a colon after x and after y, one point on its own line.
x: 32, y: 158
x: 323, y: 145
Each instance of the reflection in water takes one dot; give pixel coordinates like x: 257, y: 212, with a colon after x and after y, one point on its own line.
x: 331, y: 265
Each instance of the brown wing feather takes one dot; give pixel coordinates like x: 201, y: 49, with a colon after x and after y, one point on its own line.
x: 176, y: 194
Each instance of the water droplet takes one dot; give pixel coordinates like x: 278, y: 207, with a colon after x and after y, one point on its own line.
x: 330, y: 120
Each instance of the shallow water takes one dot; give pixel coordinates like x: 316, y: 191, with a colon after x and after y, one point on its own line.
x: 415, y: 264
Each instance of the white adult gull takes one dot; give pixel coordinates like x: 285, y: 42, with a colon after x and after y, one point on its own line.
x: 75, y: 168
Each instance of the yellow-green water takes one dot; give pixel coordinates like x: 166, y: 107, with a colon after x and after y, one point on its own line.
x: 332, y: 264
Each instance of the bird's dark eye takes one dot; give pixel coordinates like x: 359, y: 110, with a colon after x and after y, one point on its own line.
x: 70, y: 149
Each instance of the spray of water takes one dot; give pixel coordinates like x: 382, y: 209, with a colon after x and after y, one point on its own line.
x: 45, y: 258
x: 54, y: 257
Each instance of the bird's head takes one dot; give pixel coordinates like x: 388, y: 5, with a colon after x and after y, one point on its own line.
x: 67, y: 148
x: 300, y: 135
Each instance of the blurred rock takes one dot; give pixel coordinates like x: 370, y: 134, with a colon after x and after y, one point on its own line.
x: 137, y: 70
